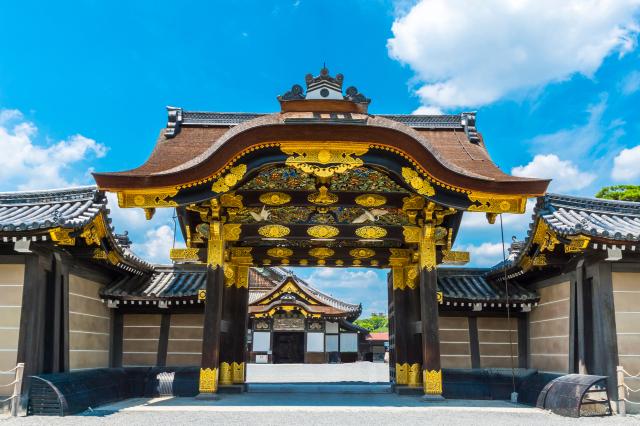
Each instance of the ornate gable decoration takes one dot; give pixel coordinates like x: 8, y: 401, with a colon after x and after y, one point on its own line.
x: 324, y: 87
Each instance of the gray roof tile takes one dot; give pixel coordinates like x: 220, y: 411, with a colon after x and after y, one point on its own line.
x: 471, y: 285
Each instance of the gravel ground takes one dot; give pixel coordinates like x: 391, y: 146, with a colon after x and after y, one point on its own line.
x: 328, y: 409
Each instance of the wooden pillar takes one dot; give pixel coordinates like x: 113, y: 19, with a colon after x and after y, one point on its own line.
x: 523, y: 341
x: 212, y: 327
x: 392, y: 328
x: 605, y: 341
x: 414, y: 333
x: 474, y: 342
x: 400, y: 320
x: 431, y: 371
x: 117, y: 338
x: 240, y: 324
x: 163, y: 341
x: 227, y: 339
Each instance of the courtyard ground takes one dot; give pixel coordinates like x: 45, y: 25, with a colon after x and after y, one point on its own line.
x: 275, y: 401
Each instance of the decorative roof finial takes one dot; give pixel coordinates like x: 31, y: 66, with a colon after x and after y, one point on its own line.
x: 324, y: 87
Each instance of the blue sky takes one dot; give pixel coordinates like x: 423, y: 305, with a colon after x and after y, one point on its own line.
x: 83, y: 87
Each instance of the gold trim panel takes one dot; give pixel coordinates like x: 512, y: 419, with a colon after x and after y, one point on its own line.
x: 323, y: 231
x: 371, y: 200
x: 274, y: 231
x: 371, y: 232
x: 275, y: 198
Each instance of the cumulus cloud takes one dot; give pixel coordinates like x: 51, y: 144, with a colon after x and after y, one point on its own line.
x: 485, y: 254
x: 156, y: 245
x: 626, y: 165
x: 474, y: 53
x: 566, y: 175
x: 29, y: 164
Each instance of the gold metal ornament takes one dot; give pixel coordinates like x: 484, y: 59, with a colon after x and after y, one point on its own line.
x: 184, y: 254
x: 413, y: 375
x: 208, y: 382
x: 274, y: 231
x: 231, y: 200
x: 95, y: 231
x: 362, y: 253
x: 402, y: 372
x: 321, y: 252
x: 451, y: 257
x: 323, y: 231
x: 147, y: 198
x: 496, y: 203
x: 61, y: 236
x: 577, y: 244
x: 418, y: 183
x: 238, y: 372
x: 280, y: 252
x: 411, y: 234
x: 371, y: 232
x: 545, y: 237
x: 229, y: 180
x: 232, y: 231
x: 324, y: 159
x: 371, y: 200
x: 226, y: 373
x: 432, y: 380
x: 323, y: 197
x: 215, y: 245
x: 202, y: 294
x: 414, y: 202
x: 427, y: 248
x: 275, y: 198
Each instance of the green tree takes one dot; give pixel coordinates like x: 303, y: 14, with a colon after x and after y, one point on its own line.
x: 375, y: 323
x: 620, y: 192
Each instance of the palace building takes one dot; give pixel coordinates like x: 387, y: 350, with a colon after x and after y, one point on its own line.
x: 322, y: 183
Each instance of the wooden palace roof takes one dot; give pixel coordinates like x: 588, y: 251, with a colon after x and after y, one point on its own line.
x: 180, y: 283
x: 564, y: 227
x: 75, y: 219
x: 194, y: 146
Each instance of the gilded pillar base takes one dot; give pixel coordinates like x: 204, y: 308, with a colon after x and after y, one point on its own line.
x: 208, y: 383
x: 238, y: 373
x: 432, y: 382
x: 401, y: 374
x: 414, y: 379
x: 226, y: 374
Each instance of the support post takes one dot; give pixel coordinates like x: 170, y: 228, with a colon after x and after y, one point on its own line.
x: 622, y: 409
x: 212, y: 327
x: 431, y: 371
x: 163, y: 341
x: 241, y: 320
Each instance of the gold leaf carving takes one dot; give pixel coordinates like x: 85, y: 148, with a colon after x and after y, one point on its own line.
x: 275, y: 198
x: 226, y: 373
x: 371, y: 200
x: 413, y: 375
x: 496, y: 203
x: 279, y: 252
x: 411, y: 234
x: 184, y: 254
x: 451, y: 257
x: 371, y: 232
x: 229, y: 180
x: 418, y: 183
x: 61, y: 236
x: 231, y: 200
x: 362, y: 253
x: 323, y: 197
x: 232, y: 231
x: 414, y: 202
x: 321, y: 252
x: 273, y: 231
x: 324, y: 159
x: 323, y: 231
x: 577, y: 244
x: 150, y: 198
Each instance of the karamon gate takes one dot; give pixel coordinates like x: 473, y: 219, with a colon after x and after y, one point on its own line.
x: 321, y: 183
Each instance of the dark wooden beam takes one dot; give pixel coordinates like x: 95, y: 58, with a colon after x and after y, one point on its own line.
x: 212, y: 331
x: 523, y: 341
x: 117, y: 339
x: 430, y: 333
x: 474, y: 342
x: 163, y: 340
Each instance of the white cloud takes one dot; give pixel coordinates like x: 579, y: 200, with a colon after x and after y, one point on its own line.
x: 485, y: 254
x: 31, y: 165
x: 631, y: 83
x: 626, y: 164
x: 566, y: 175
x: 427, y: 110
x: 156, y: 245
x: 474, y: 53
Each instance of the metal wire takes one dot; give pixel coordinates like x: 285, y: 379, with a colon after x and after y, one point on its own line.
x: 506, y: 291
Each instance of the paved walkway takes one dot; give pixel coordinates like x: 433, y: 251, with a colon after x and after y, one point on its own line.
x: 368, y: 372
x: 322, y: 409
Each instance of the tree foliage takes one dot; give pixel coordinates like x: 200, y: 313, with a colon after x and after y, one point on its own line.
x: 375, y: 323
x: 620, y: 192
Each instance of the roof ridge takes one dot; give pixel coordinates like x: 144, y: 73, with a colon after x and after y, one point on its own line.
x: 616, y: 206
x: 47, y: 196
